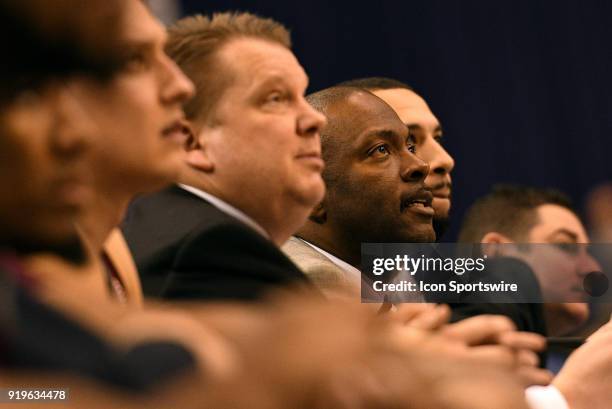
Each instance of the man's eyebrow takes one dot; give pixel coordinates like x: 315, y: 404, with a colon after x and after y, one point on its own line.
x: 271, y: 81
x: 137, y: 46
x: 573, y: 236
x: 145, y: 41
x: 384, y: 133
x: 437, y: 129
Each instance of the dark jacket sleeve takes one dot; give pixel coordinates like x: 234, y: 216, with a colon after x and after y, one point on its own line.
x: 523, y: 308
x: 43, y: 338
x: 228, y: 261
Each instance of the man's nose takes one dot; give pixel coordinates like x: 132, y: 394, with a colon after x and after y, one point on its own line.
x: 587, y: 263
x: 442, y: 163
x: 414, y: 170
x: 310, y: 121
x: 176, y: 86
x: 73, y: 129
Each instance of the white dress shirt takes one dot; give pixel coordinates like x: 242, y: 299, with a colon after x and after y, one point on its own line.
x: 353, y: 274
x: 545, y: 397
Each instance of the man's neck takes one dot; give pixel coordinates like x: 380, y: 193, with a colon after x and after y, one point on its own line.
x: 277, y: 228
x: 102, y: 216
x: 226, y: 208
x: 343, y: 249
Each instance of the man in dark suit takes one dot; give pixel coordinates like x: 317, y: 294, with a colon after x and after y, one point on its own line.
x: 553, y: 244
x: 195, y: 250
x: 252, y: 168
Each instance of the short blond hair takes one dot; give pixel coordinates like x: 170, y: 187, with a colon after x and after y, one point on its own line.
x: 194, y: 41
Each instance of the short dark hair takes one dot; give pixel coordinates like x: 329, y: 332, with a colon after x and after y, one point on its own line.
x: 375, y: 83
x: 45, y: 40
x: 509, y: 210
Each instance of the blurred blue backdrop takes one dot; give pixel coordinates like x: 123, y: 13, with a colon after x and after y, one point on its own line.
x: 522, y: 87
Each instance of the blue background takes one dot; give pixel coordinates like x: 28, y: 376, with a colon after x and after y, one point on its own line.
x: 521, y: 87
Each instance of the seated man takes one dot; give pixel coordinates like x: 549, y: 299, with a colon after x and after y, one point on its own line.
x: 44, y: 184
x: 364, y: 144
x: 252, y: 169
x: 428, y: 139
x: 145, y: 100
x: 515, y: 214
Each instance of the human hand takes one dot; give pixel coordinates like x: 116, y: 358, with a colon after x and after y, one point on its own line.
x: 586, y: 378
x: 421, y: 315
x: 495, y: 338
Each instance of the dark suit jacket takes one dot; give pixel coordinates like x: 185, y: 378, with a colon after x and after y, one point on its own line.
x: 520, y: 308
x: 527, y: 316
x: 34, y: 336
x: 185, y: 247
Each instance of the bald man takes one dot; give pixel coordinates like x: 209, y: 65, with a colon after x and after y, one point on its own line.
x: 375, y: 189
x: 427, y: 132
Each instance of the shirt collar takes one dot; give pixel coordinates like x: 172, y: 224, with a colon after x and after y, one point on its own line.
x: 226, y: 208
x: 352, y: 272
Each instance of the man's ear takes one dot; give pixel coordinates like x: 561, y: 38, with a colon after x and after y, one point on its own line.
x: 491, y: 244
x: 195, y: 146
x: 318, y: 214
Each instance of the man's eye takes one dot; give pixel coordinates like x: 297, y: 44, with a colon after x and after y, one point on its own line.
x: 439, y: 139
x: 380, y: 150
x: 137, y: 62
x: 275, y: 98
x: 411, y: 141
x: 569, y: 248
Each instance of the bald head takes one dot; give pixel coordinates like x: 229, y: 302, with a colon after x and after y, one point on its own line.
x: 344, y: 105
x: 351, y: 113
x: 373, y: 179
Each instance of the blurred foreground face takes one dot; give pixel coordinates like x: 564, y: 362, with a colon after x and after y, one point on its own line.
x: 44, y: 132
x: 57, y: 38
x: 139, y: 112
x: 264, y: 137
x: 427, y: 133
x: 44, y: 177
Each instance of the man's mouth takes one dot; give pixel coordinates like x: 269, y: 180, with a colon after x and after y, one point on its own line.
x: 443, y: 193
x: 419, y: 203
x: 442, y: 190
x: 73, y: 191
x: 175, y: 132
x: 312, y: 158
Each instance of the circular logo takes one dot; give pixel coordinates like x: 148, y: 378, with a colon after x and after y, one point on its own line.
x: 596, y: 284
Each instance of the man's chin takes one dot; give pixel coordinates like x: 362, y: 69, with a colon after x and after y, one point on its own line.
x: 425, y: 234
x: 311, y: 192
x: 440, y: 226
x: 441, y: 205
